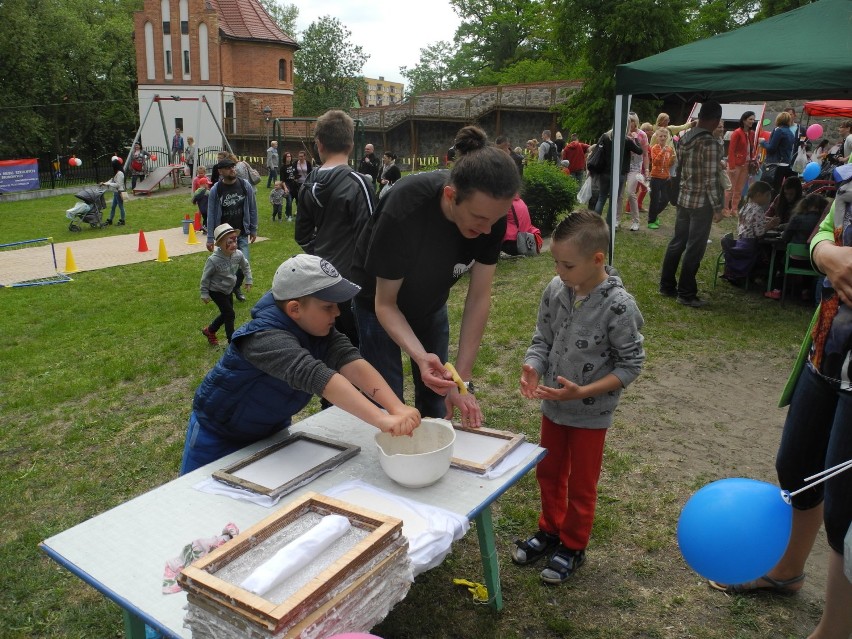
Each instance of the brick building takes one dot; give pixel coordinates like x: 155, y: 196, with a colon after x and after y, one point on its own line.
x: 229, y: 51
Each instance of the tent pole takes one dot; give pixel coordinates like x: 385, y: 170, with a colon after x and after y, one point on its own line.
x: 619, y: 128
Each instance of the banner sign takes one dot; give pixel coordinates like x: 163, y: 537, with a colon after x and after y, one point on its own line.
x: 18, y: 175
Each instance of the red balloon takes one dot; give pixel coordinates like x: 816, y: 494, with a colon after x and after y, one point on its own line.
x: 72, y: 161
x: 153, y: 157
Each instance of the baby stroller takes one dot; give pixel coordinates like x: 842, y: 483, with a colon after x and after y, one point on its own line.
x: 88, y: 211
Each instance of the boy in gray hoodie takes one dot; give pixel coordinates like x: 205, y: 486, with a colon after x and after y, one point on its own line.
x: 586, y: 348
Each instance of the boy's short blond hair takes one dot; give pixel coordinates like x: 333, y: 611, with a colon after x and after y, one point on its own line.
x: 588, y: 230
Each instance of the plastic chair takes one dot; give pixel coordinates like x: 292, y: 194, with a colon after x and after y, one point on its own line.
x: 720, y: 261
x: 803, y: 255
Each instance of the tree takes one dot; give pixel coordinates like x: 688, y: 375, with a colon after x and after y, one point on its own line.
x: 328, y: 69
x: 67, y: 83
x: 285, y: 15
x: 433, y: 72
x: 494, y: 34
x: 613, y: 32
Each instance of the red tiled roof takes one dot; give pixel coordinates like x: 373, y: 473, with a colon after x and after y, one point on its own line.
x: 247, y: 20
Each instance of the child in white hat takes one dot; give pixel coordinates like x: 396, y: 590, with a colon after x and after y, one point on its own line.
x: 219, y: 278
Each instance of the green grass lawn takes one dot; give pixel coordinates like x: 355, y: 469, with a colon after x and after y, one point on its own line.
x: 97, y: 377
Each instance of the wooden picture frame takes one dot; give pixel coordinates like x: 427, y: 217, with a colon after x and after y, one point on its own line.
x: 480, y: 449
x: 309, y: 457
x: 366, y: 559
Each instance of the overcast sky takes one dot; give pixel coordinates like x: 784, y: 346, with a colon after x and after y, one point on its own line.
x: 391, y: 32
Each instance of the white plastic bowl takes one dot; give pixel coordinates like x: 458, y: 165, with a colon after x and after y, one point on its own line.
x: 419, y: 460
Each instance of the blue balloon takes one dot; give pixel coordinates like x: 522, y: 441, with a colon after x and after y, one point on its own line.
x: 734, y: 530
x: 811, y: 171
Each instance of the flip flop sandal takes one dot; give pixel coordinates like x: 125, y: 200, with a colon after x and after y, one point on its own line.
x: 772, y: 586
x: 534, y: 548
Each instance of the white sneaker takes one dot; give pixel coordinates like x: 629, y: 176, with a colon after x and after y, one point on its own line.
x: 634, y: 226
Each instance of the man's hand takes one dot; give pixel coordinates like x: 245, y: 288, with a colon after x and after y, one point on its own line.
x: 437, y: 378
x: 252, y: 238
x: 210, y: 247
x: 471, y: 413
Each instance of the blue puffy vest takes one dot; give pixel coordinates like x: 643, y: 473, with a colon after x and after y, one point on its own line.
x: 242, y: 403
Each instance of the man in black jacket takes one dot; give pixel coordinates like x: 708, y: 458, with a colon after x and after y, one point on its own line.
x: 334, y: 204
x: 370, y: 164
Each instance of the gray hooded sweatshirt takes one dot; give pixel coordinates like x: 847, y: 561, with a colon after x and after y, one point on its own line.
x: 584, y: 340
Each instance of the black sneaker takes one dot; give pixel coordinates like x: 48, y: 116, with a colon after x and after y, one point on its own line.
x: 120, y: 223
x: 239, y: 295
x: 534, y: 548
x: 108, y: 222
x: 562, y: 565
x: 667, y: 293
x: 694, y: 302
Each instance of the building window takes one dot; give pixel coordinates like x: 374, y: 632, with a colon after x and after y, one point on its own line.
x: 184, y: 27
x: 149, y: 51
x: 186, y: 62
x: 167, y: 28
x: 282, y: 70
x: 168, y: 64
x: 203, y: 53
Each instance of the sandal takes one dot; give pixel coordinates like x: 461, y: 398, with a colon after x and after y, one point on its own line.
x: 562, y: 565
x: 772, y: 586
x: 534, y: 548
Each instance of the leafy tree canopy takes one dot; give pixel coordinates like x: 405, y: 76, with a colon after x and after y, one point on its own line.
x: 328, y: 69
x: 67, y: 82
x: 285, y: 15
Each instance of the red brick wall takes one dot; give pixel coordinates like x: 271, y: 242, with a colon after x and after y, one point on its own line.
x: 232, y: 63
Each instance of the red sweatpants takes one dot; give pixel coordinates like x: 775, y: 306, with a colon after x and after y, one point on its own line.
x: 568, y: 480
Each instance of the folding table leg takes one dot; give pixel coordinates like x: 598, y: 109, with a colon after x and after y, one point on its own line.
x: 134, y: 627
x: 488, y: 552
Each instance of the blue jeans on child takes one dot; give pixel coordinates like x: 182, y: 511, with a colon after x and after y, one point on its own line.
x: 817, y: 435
x: 202, y: 447
x: 382, y: 352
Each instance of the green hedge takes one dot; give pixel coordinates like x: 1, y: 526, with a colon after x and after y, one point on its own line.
x: 547, y: 191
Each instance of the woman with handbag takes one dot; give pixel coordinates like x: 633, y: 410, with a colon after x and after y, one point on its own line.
x: 741, y: 162
x: 519, y: 228
x: 116, y: 185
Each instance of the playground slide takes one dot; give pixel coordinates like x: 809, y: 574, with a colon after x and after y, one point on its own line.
x: 156, y: 177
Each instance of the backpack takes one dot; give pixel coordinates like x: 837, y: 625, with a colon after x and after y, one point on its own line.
x: 552, y: 152
x: 597, y: 162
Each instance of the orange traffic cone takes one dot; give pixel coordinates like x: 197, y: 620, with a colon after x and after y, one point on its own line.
x: 143, y: 245
x: 191, y: 239
x: 197, y: 222
x: 163, y: 256
x: 70, y: 264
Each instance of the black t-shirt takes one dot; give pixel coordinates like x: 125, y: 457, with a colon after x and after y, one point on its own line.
x: 233, y: 197
x: 409, y: 238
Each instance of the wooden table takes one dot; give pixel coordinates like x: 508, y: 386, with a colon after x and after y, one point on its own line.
x: 123, y: 551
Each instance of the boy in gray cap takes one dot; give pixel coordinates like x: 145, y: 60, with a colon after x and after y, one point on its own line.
x: 286, y: 353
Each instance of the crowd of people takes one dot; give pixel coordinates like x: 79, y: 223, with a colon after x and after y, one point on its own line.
x: 382, y: 252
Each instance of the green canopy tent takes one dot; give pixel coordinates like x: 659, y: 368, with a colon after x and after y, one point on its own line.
x: 805, y: 53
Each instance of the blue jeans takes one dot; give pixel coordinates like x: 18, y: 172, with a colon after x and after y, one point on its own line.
x: 382, y: 352
x: 243, y: 245
x: 202, y: 447
x: 692, y: 228
x: 604, y: 196
x: 818, y: 435
x: 116, y: 202
x: 273, y: 176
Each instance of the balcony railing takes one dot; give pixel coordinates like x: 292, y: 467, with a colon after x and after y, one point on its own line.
x: 467, y: 106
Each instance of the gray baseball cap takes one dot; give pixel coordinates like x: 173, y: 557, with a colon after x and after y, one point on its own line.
x: 311, y: 275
